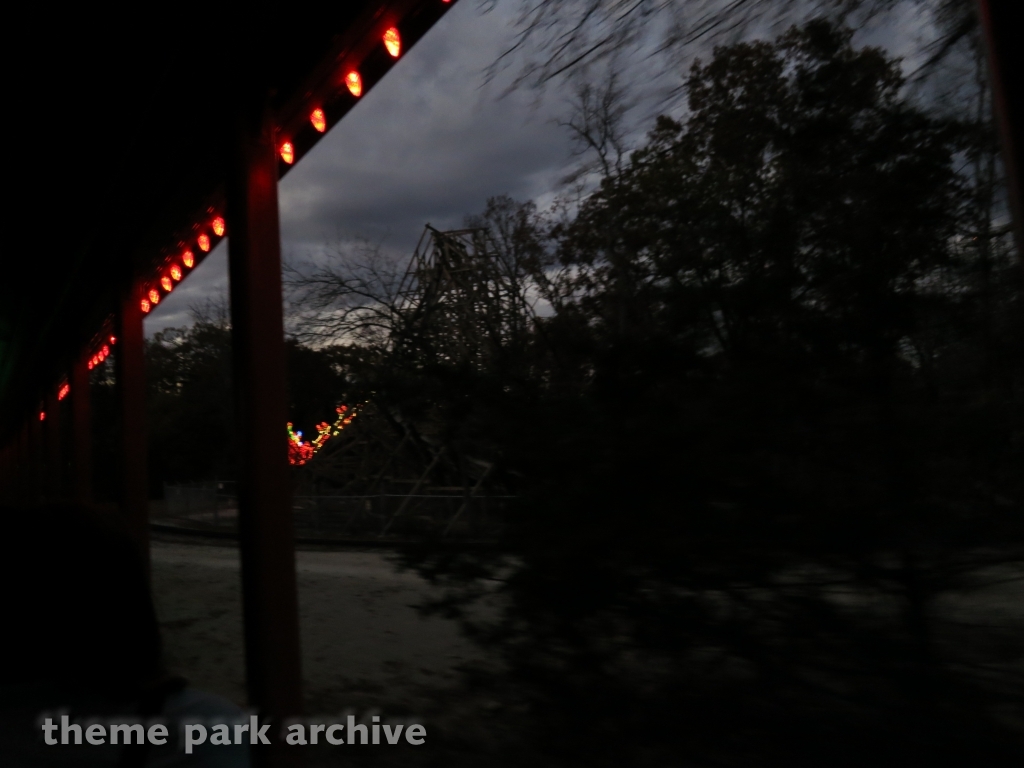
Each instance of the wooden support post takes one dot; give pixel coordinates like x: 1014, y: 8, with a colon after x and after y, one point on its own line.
x: 130, y: 374
x: 81, y: 432
x: 25, y: 463
x: 7, y: 473
x: 1005, y: 67
x: 13, y: 487
x: 266, y: 530
x: 36, y: 457
x: 54, y: 454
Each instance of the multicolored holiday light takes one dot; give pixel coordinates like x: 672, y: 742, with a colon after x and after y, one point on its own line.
x: 300, y: 451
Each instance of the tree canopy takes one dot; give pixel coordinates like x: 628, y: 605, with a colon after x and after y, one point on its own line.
x: 769, y: 370
x: 760, y: 409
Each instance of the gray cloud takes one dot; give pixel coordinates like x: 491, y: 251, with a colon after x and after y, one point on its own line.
x: 433, y: 140
x: 429, y: 143
x: 208, y: 281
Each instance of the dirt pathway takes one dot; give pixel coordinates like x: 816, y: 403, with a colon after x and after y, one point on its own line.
x: 364, y: 644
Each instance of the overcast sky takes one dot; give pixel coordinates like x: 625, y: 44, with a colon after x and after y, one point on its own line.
x: 429, y: 144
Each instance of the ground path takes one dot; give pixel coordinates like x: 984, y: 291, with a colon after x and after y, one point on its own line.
x: 364, y: 643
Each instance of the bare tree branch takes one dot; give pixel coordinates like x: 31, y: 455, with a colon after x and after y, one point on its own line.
x: 558, y: 38
x: 354, y: 298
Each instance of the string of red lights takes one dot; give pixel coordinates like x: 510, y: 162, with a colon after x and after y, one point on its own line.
x: 174, y: 269
x: 103, y: 353
x: 207, y: 235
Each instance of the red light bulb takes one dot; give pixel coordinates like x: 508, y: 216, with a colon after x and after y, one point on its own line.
x: 188, y: 259
x: 113, y: 340
x: 218, y: 227
x: 175, y: 272
x: 204, y: 243
x: 166, y: 284
x: 154, y: 296
x: 393, y: 42
x: 145, y: 306
x: 42, y: 415
x: 288, y: 152
x: 354, y: 83
x: 318, y: 119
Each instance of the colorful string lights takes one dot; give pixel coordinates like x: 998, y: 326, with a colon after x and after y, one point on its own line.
x: 300, y: 451
x: 163, y: 282
x: 99, y: 357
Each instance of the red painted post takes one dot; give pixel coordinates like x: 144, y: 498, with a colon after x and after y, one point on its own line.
x: 10, y: 486
x: 81, y: 432
x: 54, y: 452
x: 10, y: 489
x: 7, y: 473
x: 130, y: 379
x: 24, y: 478
x: 37, y: 456
x: 1004, y: 58
x: 270, y: 599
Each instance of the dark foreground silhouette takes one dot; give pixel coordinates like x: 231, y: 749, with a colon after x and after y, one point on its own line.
x: 82, y: 640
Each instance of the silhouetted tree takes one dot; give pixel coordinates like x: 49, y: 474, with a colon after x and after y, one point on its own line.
x: 562, y: 39
x: 757, y: 431
x: 730, y: 422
